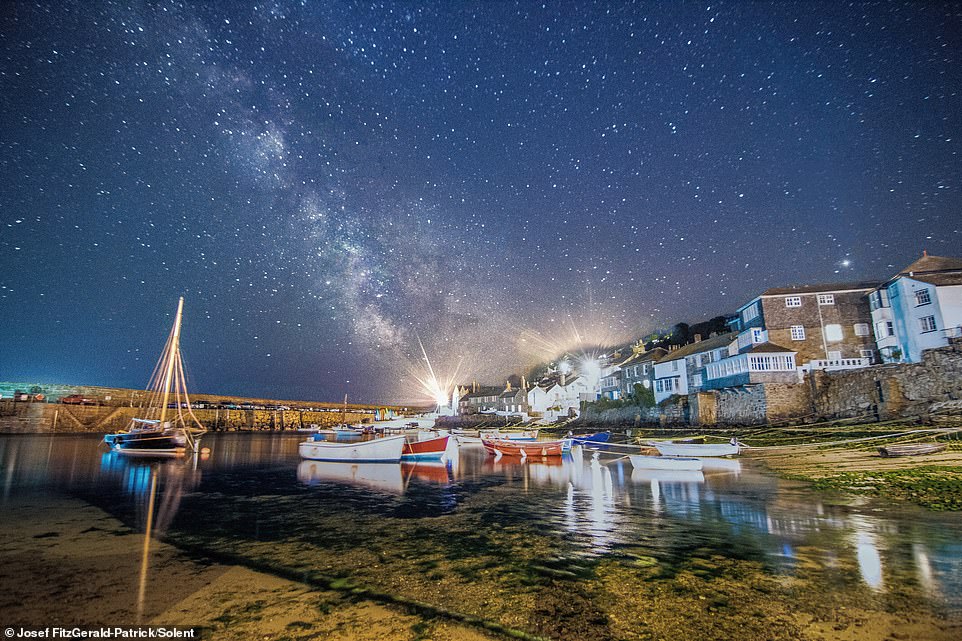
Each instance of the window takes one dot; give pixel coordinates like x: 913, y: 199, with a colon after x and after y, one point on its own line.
x: 927, y: 323
x: 758, y: 335
x: 833, y: 332
x: 798, y: 332
x: 861, y: 329
x: 750, y: 312
x: 922, y: 297
x: 884, y: 329
x: 826, y: 299
x: 835, y: 356
x: 867, y: 353
x: 674, y: 366
x: 793, y: 301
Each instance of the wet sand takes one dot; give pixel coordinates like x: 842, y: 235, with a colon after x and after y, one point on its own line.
x: 64, y: 562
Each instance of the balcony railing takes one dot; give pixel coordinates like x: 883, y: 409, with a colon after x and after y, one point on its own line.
x: 763, y: 362
x: 952, y: 332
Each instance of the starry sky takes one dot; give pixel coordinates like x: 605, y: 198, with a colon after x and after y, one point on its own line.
x: 333, y: 184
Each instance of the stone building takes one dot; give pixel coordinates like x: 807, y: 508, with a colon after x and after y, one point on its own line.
x: 827, y: 326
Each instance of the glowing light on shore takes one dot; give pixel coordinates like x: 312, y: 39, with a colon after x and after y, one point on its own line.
x: 436, y: 386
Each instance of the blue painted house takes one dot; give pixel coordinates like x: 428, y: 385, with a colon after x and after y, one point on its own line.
x: 919, y: 308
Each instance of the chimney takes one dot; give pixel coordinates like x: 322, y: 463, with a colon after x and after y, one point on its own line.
x: 697, y: 338
x: 563, y: 377
x: 507, y: 387
x: 925, y: 253
x: 524, y: 384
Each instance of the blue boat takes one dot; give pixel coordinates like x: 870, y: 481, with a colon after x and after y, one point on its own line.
x: 597, y: 437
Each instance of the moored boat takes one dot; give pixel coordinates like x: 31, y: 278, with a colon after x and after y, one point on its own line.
x: 169, y: 426
x: 668, y: 448
x: 664, y: 463
x: 387, y: 449
x: 527, y: 435
x: 597, y: 437
x: 523, y: 448
x: 429, y: 450
x: 910, y: 449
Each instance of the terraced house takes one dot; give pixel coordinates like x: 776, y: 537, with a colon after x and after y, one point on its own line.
x: 827, y: 326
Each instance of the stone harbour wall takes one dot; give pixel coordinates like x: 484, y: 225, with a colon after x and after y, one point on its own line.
x: 891, y: 391
x: 52, y: 417
x: 931, y: 389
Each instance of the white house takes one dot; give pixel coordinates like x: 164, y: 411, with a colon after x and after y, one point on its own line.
x: 671, y: 377
x: 919, y: 308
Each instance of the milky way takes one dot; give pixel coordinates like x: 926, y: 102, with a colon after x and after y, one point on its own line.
x: 329, y: 182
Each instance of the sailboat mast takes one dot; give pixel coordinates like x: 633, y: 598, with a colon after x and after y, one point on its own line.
x: 171, y: 357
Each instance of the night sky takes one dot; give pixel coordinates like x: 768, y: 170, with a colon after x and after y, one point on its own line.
x: 329, y: 182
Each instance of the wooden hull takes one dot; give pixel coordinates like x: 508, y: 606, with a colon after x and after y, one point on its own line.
x: 379, y: 450
x: 665, y: 463
x: 496, y: 435
x: 666, y: 448
x: 910, y: 449
x: 430, y: 450
x: 523, y: 448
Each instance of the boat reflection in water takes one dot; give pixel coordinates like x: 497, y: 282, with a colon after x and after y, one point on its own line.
x: 384, y: 477
x: 158, y: 486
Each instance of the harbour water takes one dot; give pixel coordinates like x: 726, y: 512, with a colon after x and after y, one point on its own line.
x: 583, y: 547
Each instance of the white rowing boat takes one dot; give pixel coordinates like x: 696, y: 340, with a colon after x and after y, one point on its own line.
x: 379, y: 450
x: 668, y: 448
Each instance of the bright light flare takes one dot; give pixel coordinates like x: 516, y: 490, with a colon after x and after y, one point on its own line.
x: 437, y: 387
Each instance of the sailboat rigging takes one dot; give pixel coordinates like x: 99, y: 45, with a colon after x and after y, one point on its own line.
x: 169, y: 426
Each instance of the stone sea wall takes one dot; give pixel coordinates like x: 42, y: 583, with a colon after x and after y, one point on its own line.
x: 931, y: 389
x: 53, y: 417
x: 891, y: 391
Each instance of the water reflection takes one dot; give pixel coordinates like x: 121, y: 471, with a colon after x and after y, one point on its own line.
x: 601, y: 505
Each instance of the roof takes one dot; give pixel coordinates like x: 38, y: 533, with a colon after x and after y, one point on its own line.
x: 939, y: 280
x: 767, y: 347
x: 934, y: 270
x: 511, y: 393
x: 706, y: 345
x: 484, y: 391
x: 933, y: 264
x: 651, y: 355
x: 819, y: 288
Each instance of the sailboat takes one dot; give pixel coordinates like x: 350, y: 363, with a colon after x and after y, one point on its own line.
x: 168, y: 426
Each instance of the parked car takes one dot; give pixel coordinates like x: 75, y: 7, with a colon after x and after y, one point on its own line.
x: 78, y: 399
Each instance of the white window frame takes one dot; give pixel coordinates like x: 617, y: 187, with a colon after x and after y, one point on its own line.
x: 835, y: 356
x: 922, y: 297
x: 793, y: 301
x: 798, y: 332
x: 927, y: 323
x: 826, y: 299
x: 751, y: 312
x: 862, y: 329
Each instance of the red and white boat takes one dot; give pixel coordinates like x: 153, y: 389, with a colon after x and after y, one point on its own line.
x: 429, y: 450
x: 523, y: 448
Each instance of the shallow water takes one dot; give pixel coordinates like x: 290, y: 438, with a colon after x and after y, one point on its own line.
x: 582, y: 547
